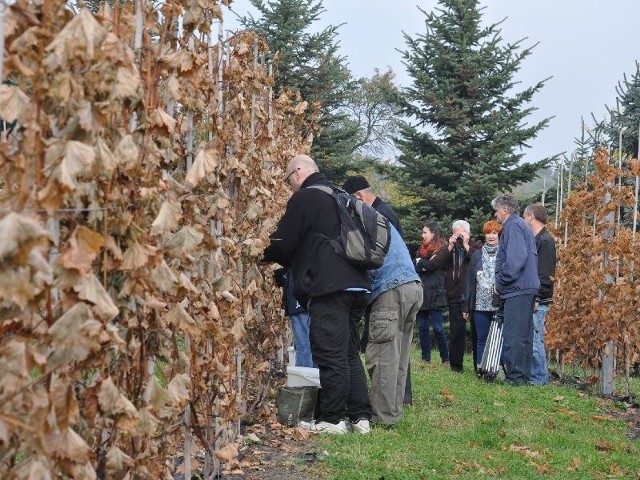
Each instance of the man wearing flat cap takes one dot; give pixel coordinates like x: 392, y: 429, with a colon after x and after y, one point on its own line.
x: 357, y: 185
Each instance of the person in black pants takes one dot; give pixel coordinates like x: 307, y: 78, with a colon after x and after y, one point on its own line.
x: 334, y: 292
x: 461, y: 248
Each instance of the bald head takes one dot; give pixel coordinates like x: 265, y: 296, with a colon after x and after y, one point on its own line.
x: 299, y: 168
x: 304, y: 163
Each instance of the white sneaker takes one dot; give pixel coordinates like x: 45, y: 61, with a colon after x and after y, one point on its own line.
x: 325, y: 427
x: 361, y: 426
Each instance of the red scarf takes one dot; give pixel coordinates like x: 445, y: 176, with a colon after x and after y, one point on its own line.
x: 427, y: 250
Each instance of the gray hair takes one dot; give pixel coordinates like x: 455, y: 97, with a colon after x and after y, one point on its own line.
x: 509, y: 203
x: 463, y: 224
x: 538, y: 211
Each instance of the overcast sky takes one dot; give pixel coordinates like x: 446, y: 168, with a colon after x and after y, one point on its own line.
x: 586, y: 46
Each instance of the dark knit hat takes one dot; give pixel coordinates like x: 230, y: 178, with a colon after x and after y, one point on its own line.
x: 355, y: 184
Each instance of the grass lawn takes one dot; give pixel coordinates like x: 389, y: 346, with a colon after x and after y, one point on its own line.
x: 462, y: 427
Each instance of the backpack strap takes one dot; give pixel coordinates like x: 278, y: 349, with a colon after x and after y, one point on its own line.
x: 323, y: 188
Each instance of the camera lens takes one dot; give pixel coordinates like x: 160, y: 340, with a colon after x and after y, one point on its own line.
x: 459, y: 240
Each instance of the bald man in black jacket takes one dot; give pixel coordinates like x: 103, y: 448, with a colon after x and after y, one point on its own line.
x: 334, y: 292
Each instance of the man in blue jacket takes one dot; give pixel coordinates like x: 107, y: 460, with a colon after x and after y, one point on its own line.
x: 516, y: 280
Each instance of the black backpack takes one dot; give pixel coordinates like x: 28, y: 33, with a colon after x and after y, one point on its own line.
x: 365, y: 234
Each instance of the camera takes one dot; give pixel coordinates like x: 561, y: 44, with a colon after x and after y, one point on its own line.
x: 460, y: 240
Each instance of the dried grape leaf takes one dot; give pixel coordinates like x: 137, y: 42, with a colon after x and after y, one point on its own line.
x: 79, y: 38
x: 126, y: 153
x: 136, y: 256
x: 14, y: 104
x: 179, y: 317
x: 168, y: 217
x: 155, y: 395
x: 82, y: 249
x: 185, y: 240
x: 90, y: 289
x: 117, y: 460
x: 161, y: 118
x: 15, y: 374
x: 70, y: 335
x: 114, y: 404
x: 78, y: 158
x: 204, y: 164
x: 19, y: 235
x: 179, y: 389
x: 127, y: 85
x: 163, y: 278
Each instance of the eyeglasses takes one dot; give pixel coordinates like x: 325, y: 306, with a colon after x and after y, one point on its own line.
x: 286, y: 179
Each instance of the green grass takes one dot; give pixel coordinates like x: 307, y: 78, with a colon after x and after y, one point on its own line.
x: 462, y: 427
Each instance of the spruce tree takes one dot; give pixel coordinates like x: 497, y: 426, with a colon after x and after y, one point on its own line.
x: 624, y: 117
x: 466, y: 129
x: 307, y: 61
x: 623, y: 124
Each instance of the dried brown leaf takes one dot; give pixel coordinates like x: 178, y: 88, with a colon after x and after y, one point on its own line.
x: 127, y: 85
x: 82, y: 249
x: 160, y: 118
x: 179, y: 317
x: 126, y: 153
x: 156, y: 395
x: 81, y: 37
x: 90, y: 289
x: 19, y: 235
x: 227, y: 453
x: 15, y: 374
x: 14, y: 104
x: 77, y: 158
x: 136, y: 256
x: 238, y: 331
x: 117, y: 460
x: 179, y: 389
x: 114, y: 404
x: 204, y: 164
x: 163, y: 278
x: 70, y: 340
x: 168, y: 217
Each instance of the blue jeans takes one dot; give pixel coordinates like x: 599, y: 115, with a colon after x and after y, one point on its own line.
x: 300, y: 326
x: 539, y: 375
x: 482, y: 321
x: 435, y: 318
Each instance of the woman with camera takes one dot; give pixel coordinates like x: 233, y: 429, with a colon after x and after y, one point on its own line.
x: 431, y: 261
x: 477, y: 297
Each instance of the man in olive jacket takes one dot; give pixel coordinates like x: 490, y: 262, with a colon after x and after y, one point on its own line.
x: 334, y: 292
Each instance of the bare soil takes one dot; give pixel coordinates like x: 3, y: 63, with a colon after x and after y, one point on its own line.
x: 274, y: 452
